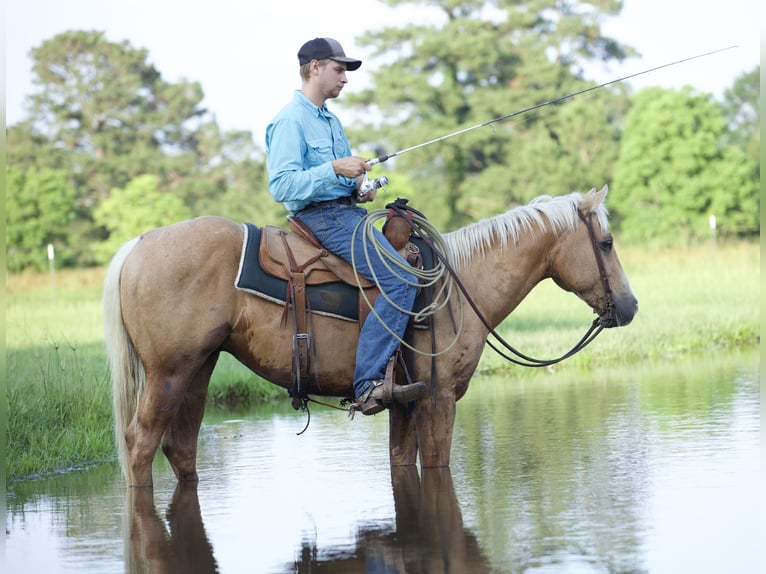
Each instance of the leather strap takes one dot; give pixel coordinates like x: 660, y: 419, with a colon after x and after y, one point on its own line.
x: 296, y: 293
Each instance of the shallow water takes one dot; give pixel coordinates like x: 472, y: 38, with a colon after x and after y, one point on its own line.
x: 652, y: 468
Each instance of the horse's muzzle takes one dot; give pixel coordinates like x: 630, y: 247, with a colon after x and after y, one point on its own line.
x: 621, y: 312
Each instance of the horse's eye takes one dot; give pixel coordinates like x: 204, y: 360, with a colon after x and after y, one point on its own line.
x: 607, y: 243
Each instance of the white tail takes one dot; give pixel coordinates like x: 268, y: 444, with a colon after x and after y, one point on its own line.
x: 128, y: 377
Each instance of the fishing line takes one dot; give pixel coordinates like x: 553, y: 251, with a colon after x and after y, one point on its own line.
x: 382, y: 158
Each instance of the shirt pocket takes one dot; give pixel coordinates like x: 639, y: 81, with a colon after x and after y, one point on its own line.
x: 319, y: 151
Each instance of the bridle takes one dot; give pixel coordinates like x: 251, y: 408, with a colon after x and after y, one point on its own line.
x: 609, y: 319
x: 511, y: 354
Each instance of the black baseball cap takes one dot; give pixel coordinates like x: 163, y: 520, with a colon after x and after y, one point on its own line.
x: 321, y: 48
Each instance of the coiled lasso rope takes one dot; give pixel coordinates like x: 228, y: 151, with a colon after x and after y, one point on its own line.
x: 401, y: 269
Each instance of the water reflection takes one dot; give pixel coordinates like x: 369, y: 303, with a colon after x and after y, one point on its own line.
x: 631, y: 470
x: 428, y: 534
x: 181, y: 545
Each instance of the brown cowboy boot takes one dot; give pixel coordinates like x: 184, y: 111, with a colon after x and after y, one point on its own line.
x: 383, y: 393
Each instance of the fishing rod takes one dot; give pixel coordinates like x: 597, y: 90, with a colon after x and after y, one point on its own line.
x: 382, y: 158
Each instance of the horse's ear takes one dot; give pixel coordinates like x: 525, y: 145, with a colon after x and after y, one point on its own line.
x: 600, y: 195
x: 593, y: 198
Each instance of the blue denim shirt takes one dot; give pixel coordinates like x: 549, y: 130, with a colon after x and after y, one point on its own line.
x: 301, y: 142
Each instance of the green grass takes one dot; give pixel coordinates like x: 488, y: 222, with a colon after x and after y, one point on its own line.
x: 59, y: 406
x: 692, y: 300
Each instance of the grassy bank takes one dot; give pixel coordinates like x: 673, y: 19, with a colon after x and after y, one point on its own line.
x: 692, y: 300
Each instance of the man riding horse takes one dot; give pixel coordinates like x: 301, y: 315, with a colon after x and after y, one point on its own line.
x: 311, y: 170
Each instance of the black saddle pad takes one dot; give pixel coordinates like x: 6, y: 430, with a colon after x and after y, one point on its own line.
x: 338, y: 299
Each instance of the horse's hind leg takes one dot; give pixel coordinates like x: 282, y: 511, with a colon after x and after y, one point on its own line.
x: 156, y: 408
x: 171, y: 405
x: 179, y: 444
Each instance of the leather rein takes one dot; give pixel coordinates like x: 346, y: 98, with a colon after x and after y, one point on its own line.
x: 512, y: 354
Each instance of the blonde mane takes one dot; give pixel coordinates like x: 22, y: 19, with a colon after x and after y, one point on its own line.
x: 559, y: 212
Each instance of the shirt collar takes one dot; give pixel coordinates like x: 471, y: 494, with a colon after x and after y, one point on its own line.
x: 304, y: 101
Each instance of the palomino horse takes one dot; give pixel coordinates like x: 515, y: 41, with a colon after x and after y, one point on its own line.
x: 170, y: 309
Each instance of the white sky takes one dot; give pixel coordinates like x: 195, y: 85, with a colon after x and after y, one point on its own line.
x: 243, y: 52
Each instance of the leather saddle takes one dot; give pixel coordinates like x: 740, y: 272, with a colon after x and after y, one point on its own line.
x: 283, y: 255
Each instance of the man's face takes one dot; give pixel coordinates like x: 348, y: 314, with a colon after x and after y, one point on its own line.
x: 332, y: 78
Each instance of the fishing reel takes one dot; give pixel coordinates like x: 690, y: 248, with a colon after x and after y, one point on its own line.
x: 368, y: 185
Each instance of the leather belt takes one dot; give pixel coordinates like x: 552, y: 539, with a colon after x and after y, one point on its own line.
x: 347, y: 200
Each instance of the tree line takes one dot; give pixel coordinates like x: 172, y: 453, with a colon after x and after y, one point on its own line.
x: 109, y: 148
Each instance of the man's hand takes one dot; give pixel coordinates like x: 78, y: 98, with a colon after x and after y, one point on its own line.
x: 351, y: 166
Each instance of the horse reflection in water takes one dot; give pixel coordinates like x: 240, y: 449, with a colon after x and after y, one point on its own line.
x: 427, y: 536
x: 184, y: 547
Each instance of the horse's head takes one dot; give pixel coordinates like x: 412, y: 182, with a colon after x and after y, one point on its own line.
x: 585, y: 262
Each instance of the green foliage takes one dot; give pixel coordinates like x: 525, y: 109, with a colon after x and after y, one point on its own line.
x: 103, y: 101
x: 39, y: 207
x: 241, y: 182
x: 474, y: 63
x: 742, y: 110
x: 128, y: 212
x: 673, y: 174
x: 571, y: 147
x: 233, y: 386
x: 105, y: 115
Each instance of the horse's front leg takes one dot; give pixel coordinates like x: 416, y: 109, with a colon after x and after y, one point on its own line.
x: 434, y: 425
x: 402, y: 436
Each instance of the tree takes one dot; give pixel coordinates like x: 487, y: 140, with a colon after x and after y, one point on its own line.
x: 573, y: 146
x: 110, y: 109
x: 138, y: 207
x: 674, y: 172
x: 742, y: 111
x: 104, y: 114
x: 236, y: 169
x: 480, y: 60
x: 38, y: 213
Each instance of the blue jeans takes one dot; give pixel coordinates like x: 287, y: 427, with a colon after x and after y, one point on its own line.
x: 333, y: 225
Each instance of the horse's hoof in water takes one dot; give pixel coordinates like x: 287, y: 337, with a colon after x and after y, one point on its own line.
x: 383, y: 394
